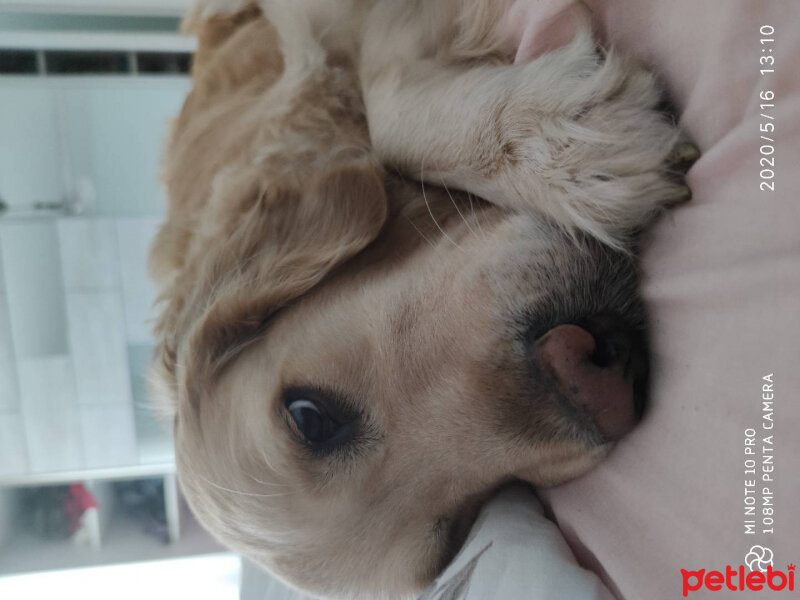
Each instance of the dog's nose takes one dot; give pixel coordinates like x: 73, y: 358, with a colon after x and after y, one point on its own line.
x: 600, y: 367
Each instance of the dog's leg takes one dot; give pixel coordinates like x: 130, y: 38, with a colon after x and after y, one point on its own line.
x: 574, y: 134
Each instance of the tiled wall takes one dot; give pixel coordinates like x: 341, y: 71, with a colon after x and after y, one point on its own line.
x: 74, y: 297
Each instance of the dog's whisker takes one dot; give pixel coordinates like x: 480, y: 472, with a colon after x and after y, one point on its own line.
x: 266, y: 483
x: 475, y: 216
x: 239, y: 492
x: 428, y: 206
x: 270, y: 466
x: 458, y: 210
x: 419, y: 231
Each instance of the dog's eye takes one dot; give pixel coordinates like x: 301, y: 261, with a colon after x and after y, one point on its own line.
x: 310, y: 420
x: 321, y: 419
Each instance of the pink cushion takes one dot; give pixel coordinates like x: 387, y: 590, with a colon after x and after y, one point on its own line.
x: 722, y: 281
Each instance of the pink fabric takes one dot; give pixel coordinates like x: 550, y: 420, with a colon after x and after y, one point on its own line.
x: 722, y: 281
x: 535, y: 27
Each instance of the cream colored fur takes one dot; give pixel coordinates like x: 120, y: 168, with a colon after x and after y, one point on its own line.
x: 301, y: 249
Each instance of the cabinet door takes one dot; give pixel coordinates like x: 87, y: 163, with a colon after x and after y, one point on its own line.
x: 30, y: 165
x: 138, y: 291
x: 41, y: 356
x: 114, y: 133
x: 51, y: 414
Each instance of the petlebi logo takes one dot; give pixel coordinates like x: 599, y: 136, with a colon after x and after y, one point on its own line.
x: 762, y: 576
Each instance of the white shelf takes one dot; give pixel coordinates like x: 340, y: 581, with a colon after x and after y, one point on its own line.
x: 123, y: 541
x: 156, y: 8
x: 122, y: 41
x: 65, y: 477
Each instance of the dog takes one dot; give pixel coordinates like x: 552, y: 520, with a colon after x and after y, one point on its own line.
x: 397, y: 272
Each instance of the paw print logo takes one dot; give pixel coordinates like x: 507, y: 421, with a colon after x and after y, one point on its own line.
x: 758, y: 558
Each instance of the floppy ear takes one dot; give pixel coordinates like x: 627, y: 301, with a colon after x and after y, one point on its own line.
x: 236, y: 62
x: 262, y: 248
x: 233, y: 50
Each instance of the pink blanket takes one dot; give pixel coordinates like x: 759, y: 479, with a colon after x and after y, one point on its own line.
x: 722, y: 281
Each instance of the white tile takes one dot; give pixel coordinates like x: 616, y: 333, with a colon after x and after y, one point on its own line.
x: 98, y: 347
x: 109, y: 438
x: 2, y: 275
x: 89, y: 253
x: 139, y: 293
x: 50, y: 409
x: 34, y: 288
x: 13, y: 454
x: 9, y: 394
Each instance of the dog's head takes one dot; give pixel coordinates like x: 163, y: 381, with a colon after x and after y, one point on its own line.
x: 355, y: 363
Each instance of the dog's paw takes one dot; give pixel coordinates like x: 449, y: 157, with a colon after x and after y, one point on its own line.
x: 587, y: 141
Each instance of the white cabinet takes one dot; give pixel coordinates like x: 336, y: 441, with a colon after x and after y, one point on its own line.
x: 76, y: 304
x: 89, y: 254
x: 51, y: 413
x: 119, y: 536
x: 138, y: 291
x: 9, y: 394
x: 108, y: 435
x: 13, y: 445
x: 33, y: 287
x: 98, y: 348
x: 75, y: 299
x: 110, y: 131
x: 30, y: 152
x: 75, y: 344
x: 94, y: 143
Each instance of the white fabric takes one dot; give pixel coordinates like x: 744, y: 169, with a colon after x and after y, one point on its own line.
x: 514, y: 551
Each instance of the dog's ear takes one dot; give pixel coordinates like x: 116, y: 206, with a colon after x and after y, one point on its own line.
x: 236, y: 61
x: 261, y: 246
x: 221, y: 30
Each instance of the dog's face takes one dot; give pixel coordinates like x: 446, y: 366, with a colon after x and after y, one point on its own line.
x: 354, y: 367
x: 350, y: 445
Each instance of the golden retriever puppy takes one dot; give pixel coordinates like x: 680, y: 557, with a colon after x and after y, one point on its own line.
x: 396, y: 274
